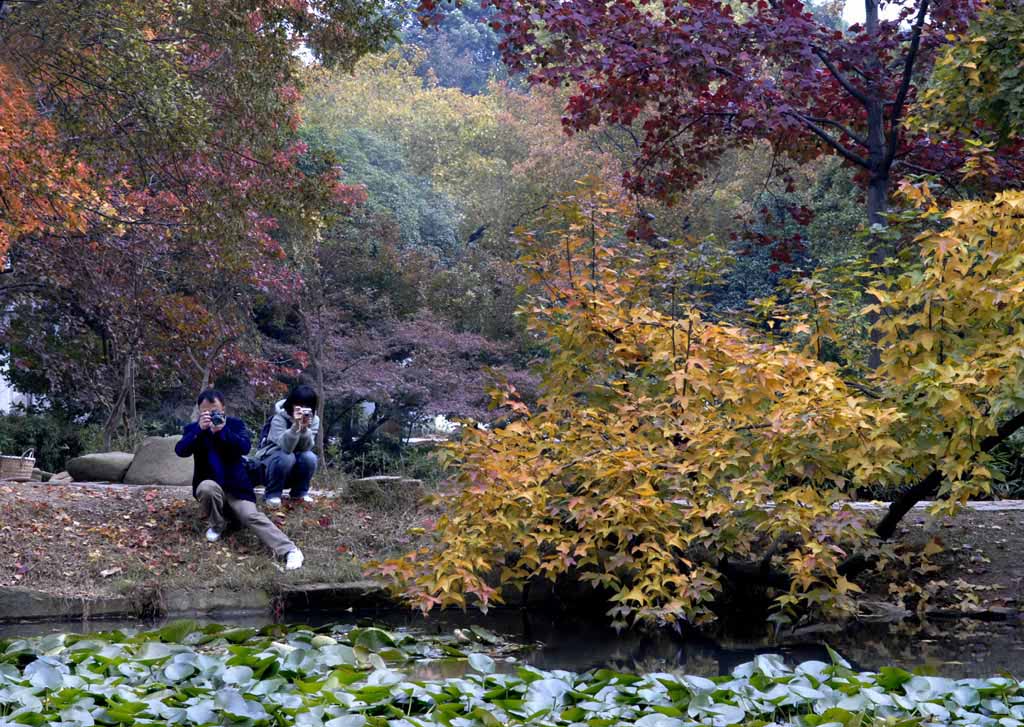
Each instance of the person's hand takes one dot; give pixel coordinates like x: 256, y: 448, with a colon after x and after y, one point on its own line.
x: 217, y: 429
x: 204, y: 420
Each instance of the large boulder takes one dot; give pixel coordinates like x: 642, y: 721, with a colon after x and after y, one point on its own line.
x: 100, y: 467
x: 155, y: 463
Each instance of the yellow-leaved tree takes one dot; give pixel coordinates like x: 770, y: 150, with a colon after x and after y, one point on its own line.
x: 669, y: 452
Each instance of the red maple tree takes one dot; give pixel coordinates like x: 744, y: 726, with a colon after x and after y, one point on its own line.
x: 693, y: 78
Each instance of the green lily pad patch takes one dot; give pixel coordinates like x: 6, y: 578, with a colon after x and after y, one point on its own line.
x: 211, y: 676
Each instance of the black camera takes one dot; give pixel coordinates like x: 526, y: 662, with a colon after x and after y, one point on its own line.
x: 217, y: 418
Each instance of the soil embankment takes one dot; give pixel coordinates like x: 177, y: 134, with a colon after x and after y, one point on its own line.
x: 73, y: 551
x: 97, y: 551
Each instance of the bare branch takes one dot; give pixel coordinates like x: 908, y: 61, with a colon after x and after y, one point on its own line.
x: 842, y: 127
x: 908, y: 72
x: 843, y: 80
x: 850, y: 156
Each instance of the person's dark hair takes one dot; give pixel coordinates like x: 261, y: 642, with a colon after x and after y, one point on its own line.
x: 301, y: 395
x: 211, y: 395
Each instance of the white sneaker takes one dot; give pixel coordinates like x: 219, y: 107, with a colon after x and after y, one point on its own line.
x: 307, y: 498
x: 294, y: 560
x: 272, y: 501
x: 212, y: 535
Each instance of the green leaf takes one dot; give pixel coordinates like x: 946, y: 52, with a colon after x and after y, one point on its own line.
x: 44, y: 676
x: 373, y: 639
x: 482, y: 663
x: 892, y: 678
x: 176, y: 631
x: 237, y: 636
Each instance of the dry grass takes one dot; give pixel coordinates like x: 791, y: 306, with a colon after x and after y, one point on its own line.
x: 89, y: 540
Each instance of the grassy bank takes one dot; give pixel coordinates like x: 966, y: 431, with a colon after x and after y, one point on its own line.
x: 140, y: 543
x: 116, y: 541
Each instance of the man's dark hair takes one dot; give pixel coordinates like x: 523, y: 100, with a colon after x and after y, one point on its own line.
x: 301, y: 395
x: 211, y: 395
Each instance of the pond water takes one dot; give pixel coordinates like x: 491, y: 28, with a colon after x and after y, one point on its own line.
x: 954, y: 648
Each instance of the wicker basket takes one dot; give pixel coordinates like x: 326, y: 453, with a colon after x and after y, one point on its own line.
x: 17, y: 469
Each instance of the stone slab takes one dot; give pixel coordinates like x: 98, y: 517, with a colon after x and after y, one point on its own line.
x: 335, y: 596
x: 100, y: 466
x: 18, y: 603
x: 155, y: 463
x: 195, y: 603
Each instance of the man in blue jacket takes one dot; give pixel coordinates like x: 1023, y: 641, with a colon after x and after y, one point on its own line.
x: 217, y: 443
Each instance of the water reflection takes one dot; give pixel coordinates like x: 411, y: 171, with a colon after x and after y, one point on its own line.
x: 955, y: 649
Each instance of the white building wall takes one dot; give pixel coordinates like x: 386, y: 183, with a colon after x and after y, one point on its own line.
x: 9, y: 398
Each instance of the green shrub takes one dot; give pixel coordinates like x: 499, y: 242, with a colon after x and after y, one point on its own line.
x: 385, y: 458
x: 54, y: 440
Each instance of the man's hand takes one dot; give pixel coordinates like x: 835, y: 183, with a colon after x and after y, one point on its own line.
x: 204, y: 420
x: 215, y: 430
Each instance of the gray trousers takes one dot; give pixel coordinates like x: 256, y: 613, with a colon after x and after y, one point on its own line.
x: 293, y: 470
x: 213, y: 499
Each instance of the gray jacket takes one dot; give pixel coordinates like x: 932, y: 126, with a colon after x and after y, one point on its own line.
x: 285, y: 437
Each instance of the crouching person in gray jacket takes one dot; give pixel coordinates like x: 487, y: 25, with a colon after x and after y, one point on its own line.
x: 288, y: 451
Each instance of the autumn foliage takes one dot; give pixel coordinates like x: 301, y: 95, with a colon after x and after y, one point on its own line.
x: 42, y: 190
x: 149, y: 160
x: 668, y: 454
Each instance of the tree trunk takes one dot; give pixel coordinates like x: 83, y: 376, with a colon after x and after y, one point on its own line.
x: 110, y: 426
x: 878, y: 168
x: 929, y: 486
x: 131, y: 413
x: 878, y: 205
x: 321, y: 434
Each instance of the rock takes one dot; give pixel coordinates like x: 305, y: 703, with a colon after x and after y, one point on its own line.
x: 388, y: 487
x: 39, y: 475
x: 426, y: 441
x: 100, y: 467
x: 155, y: 463
x: 881, y: 612
x: 24, y: 604
x: 981, y: 613
x: 389, y: 480
x: 61, y: 478
x: 179, y: 604
x: 813, y: 631
x: 334, y: 597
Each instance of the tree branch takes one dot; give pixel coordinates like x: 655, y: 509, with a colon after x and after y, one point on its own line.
x: 850, y: 156
x: 845, y: 129
x: 864, y: 389
x: 762, y: 574
x: 843, y: 80
x: 908, y: 72
x: 929, y: 486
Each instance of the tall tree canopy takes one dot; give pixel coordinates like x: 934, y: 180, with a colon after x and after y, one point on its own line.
x: 978, y: 83
x: 694, y: 78
x: 462, y: 52
x: 184, y: 118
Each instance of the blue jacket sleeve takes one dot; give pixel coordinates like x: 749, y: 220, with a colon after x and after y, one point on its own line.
x: 186, y: 446
x: 234, y: 438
